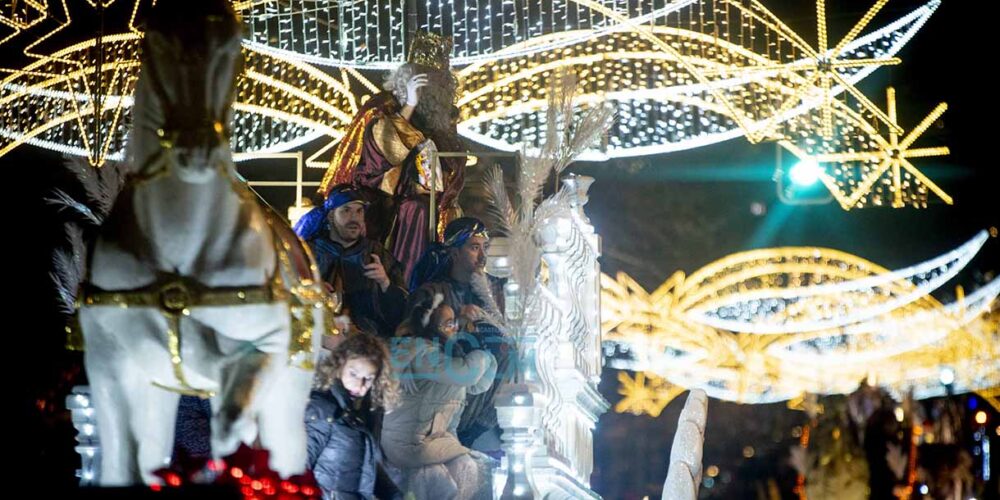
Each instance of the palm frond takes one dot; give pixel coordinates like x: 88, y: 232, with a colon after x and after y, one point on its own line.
x: 498, y: 206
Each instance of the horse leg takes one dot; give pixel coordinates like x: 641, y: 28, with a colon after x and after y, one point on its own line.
x: 233, y: 408
x: 154, y: 416
x: 112, y: 374
x: 137, y: 435
x: 111, y: 411
x: 135, y: 421
x: 282, y: 428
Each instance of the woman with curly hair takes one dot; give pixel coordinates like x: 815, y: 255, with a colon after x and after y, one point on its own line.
x: 353, y: 385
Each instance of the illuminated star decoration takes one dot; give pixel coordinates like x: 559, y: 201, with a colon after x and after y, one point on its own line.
x: 645, y: 394
x: 821, y: 69
x: 76, y: 99
x: 888, y: 163
x: 93, y: 81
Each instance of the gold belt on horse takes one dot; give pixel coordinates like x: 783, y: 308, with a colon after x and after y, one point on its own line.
x: 175, y: 295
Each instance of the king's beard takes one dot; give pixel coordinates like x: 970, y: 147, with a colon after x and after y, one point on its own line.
x: 433, y: 114
x: 434, y: 111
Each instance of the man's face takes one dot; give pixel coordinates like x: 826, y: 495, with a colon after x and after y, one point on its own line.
x: 471, y: 256
x: 347, y: 222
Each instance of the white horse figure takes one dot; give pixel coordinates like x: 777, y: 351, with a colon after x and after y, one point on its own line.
x: 193, y: 286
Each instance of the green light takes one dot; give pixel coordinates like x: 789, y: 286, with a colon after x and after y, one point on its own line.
x: 805, y: 173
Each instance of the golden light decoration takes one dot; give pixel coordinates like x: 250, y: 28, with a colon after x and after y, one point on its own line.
x: 808, y: 403
x: 682, y: 74
x: 704, y: 70
x: 686, y: 76
x: 645, y: 394
x: 992, y: 396
x: 807, y: 289
x: 823, y: 67
x: 758, y: 360
x: 882, y: 172
x: 16, y: 17
x: 77, y: 99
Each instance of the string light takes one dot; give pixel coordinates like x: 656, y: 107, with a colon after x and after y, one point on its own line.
x: 904, y: 347
x: 875, y: 171
x: 279, y: 103
x: 714, y: 87
x: 676, y: 84
x: 805, y: 289
x: 720, y: 84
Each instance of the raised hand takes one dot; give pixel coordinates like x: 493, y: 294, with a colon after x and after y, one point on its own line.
x: 412, y: 89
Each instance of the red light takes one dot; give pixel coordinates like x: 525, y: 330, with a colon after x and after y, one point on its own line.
x: 236, y: 472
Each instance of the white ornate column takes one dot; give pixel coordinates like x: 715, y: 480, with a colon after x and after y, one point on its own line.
x: 548, y: 416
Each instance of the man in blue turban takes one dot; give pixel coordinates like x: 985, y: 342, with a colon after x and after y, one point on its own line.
x: 454, y: 269
x: 366, y: 276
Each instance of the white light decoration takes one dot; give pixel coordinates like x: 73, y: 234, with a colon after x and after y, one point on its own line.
x: 682, y: 74
x: 373, y: 34
x: 898, y: 334
x: 77, y: 100
x: 745, y: 293
x: 714, y: 86
x: 909, y: 328
x: 279, y: 103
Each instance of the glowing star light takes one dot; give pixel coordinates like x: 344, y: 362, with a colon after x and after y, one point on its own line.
x: 822, y: 68
x: 907, y: 184
x: 645, y: 394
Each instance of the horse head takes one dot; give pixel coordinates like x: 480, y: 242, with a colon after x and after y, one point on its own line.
x: 183, y: 100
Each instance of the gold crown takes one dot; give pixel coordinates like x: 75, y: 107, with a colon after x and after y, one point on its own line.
x: 430, y: 50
